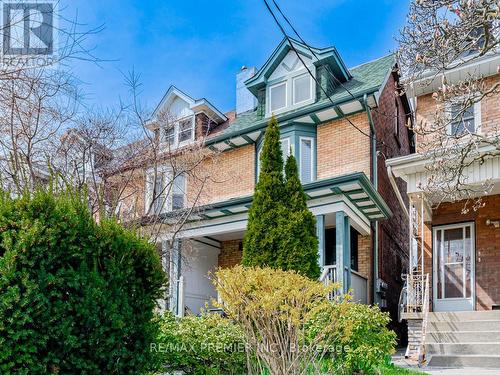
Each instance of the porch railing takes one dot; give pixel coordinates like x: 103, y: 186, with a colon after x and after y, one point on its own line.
x: 329, y: 276
x: 414, y: 303
x: 359, y: 284
x: 413, y: 296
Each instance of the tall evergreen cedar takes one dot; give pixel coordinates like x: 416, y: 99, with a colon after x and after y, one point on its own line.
x: 281, y: 230
x: 299, y: 247
x: 263, y: 236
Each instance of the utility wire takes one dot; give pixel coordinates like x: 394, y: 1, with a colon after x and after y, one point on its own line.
x: 309, y: 71
x: 327, y: 67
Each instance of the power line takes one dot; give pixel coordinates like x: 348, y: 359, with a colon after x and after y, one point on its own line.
x: 290, y: 42
x: 327, y: 67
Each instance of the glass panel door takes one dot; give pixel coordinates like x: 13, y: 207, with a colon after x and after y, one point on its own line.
x: 453, y: 267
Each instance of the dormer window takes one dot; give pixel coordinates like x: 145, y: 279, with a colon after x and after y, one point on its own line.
x: 294, y: 90
x: 277, y: 97
x: 186, y: 130
x: 179, y: 133
x: 302, y: 88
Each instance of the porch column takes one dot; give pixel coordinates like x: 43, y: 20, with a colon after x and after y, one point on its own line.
x: 343, y: 250
x: 165, y: 263
x: 175, y: 273
x: 320, y: 233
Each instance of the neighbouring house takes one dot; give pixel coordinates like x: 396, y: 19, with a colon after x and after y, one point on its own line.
x: 340, y: 123
x: 454, y: 253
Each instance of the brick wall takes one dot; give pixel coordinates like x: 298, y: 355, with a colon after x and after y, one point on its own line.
x: 490, y: 113
x: 365, y: 256
x: 231, y: 174
x: 341, y: 149
x: 230, y: 254
x: 487, y: 246
x: 394, y: 141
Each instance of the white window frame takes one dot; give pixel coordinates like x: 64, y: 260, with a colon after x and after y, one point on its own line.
x: 184, y: 191
x: 191, y: 139
x: 281, y: 109
x: 148, y: 191
x: 477, y: 117
x: 289, y: 81
x: 290, y: 147
x: 313, y: 157
x: 311, y: 94
x: 176, y: 127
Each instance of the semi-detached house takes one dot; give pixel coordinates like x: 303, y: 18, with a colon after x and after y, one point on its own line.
x: 341, y: 124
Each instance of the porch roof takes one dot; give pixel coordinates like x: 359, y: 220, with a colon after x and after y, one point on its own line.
x: 355, y: 187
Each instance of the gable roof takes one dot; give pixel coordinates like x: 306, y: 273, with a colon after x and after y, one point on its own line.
x: 329, y: 55
x: 367, y: 78
x: 198, y: 105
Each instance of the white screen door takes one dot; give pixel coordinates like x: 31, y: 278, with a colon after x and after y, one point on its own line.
x: 453, y: 267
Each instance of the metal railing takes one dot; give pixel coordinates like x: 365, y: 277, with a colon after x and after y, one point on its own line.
x: 425, y: 310
x: 414, y: 299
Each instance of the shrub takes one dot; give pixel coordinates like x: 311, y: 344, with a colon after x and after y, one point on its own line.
x: 272, y: 307
x: 359, y: 338
x: 262, y: 239
x: 205, y: 345
x: 281, y: 231
x: 75, y: 296
x: 299, y: 246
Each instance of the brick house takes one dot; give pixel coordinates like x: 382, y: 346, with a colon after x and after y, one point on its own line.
x: 360, y: 224
x: 460, y: 252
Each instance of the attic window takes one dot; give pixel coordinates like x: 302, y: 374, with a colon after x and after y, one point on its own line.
x: 302, y: 88
x: 277, y: 97
x: 186, y: 130
x: 178, y: 133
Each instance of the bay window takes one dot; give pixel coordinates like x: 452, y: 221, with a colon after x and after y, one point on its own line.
x: 306, y: 159
x: 162, y: 194
x: 179, y: 192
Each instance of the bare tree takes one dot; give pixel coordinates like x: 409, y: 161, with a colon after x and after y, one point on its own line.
x: 39, y: 98
x: 442, y: 35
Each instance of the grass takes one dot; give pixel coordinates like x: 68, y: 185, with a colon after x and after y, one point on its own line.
x: 395, y: 370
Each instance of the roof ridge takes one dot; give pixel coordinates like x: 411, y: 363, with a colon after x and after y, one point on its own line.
x: 372, y: 61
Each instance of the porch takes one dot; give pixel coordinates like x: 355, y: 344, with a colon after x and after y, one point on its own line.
x: 454, y: 272
x: 343, y: 208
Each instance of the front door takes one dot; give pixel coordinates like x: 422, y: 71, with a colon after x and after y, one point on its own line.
x: 453, y: 265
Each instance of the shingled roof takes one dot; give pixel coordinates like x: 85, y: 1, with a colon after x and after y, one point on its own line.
x: 367, y: 78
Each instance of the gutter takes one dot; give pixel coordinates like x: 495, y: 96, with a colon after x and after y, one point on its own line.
x: 374, y: 178
x: 262, y: 123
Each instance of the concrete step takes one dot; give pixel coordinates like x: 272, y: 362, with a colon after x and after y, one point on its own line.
x: 491, y: 348
x: 462, y: 337
x: 478, y: 361
x: 461, y: 316
x: 464, y: 326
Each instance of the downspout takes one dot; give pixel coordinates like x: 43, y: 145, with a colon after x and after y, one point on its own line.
x: 374, y: 180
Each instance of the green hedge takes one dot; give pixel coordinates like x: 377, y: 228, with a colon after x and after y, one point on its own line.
x: 359, y: 341
x: 205, y: 345
x: 75, y: 296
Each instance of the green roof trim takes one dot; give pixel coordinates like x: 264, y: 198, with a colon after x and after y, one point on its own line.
x: 334, y: 184
x: 366, y: 79
x: 329, y: 55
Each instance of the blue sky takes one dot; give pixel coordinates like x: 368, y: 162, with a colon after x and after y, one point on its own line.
x: 200, y: 45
